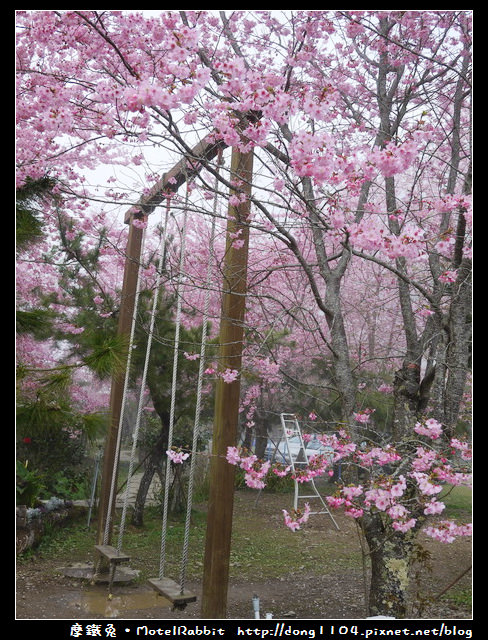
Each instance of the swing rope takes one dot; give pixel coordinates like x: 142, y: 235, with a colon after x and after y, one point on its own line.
x: 124, y: 396
x: 203, y: 345
x: 173, y: 387
x: 135, y: 436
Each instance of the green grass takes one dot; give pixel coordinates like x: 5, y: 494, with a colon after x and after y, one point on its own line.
x: 262, y: 547
x: 261, y: 544
x: 458, y: 501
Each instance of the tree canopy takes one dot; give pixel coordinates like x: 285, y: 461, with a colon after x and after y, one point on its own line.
x: 359, y: 277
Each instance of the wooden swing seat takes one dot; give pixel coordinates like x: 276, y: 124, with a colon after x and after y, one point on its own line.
x: 171, y: 590
x: 111, y: 554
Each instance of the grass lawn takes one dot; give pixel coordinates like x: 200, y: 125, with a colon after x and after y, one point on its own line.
x: 315, y: 569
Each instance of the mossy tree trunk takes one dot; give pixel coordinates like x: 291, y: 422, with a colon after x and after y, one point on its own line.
x: 391, y: 559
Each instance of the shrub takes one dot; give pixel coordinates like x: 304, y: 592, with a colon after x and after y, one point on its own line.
x: 29, y: 485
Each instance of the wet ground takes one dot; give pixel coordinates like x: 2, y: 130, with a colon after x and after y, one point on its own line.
x: 46, y: 590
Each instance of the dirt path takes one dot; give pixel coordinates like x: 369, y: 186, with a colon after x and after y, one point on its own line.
x: 44, y: 594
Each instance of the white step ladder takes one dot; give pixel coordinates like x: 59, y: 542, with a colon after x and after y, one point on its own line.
x: 291, y: 428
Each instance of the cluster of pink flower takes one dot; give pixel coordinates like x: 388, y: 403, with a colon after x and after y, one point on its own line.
x: 377, y: 455
x: 314, y: 154
x: 430, y: 428
x: 178, y: 456
x: 425, y: 484
x: 295, y: 520
x: 447, y: 531
x: 341, y: 444
x: 382, y: 497
x: 462, y: 447
x: 229, y: 375
x: 281, y: 471
x: 317, y: 466
x: 384, y: 494
x: 70, y: 328
x: 448, y: 277
x: 268, y: 371
x: 139, y: 224
x: 393, y: 158
x: 371, y: 235
x: 363, y: 416
x: 255, y: 469
x: 191, y: 356
x: 248, y: 404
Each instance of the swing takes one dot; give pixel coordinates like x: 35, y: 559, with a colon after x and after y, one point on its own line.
x: 174, y: 592
x: 113, y: 556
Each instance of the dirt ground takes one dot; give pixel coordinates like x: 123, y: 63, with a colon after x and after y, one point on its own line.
x: 43, y: 592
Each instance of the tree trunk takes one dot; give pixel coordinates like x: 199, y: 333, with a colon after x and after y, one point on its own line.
x: 177, y: 491
x: 138, y: 514
x: 341, y: 365
x: 154, y: 465
x: 390, y: 554
x: 261, y: 431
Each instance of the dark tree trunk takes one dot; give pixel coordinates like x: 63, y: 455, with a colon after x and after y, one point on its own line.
x: 154, y: 465
x: 261, y: 431
x: 390, y: 554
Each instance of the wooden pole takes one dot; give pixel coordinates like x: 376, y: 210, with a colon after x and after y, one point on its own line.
x: 126, y: 312
x: 221, y: 497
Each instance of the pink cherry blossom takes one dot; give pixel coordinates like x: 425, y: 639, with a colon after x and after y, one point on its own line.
x: 463, y: 447
x: 229, y: 375
x: 335, y: 501
x: 397, y: 512
x: 430, y: 428
x: 281, y: 472
x: 295, y: 520
x: 447, y: 531
x: 342, y: 215
x: 362, y: 417
x: 425, y: 485
x: 448, y: 276
x: 404, y: 526
x: 352, y: 492
x: 191, y: 356
x: 434, y: 507
x: 178, y: 457
x: 233, y: 456
x: 139, y: 224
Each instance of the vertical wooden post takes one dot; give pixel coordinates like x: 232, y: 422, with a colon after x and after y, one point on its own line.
x: 221, y: 497
x: 126, y: 312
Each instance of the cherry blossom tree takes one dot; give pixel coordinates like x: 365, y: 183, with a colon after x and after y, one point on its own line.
x: 361, y: 216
